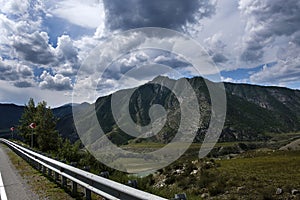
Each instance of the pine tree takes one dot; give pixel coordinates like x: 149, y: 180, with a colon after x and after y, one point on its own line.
x: 27, y: 118
x: 47, y: 135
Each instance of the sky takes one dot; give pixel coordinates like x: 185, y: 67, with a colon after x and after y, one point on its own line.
x: 43, y: 43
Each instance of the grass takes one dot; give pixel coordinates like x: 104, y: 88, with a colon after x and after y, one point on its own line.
x: 252, y: 175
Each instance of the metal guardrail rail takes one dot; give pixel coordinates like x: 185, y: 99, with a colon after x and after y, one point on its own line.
x: 106, y: 188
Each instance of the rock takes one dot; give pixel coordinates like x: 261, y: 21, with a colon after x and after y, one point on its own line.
x: 104, y: 174
x: 194, y: 162
x: 279, y: 191
x: 179, y: 171
x: 133, y: 183
x: 238, y: 189
x: 208, y: 165
x: 204, y: 195
x: 195, y: 171
x: 295, y: 192
x: 180, y: 196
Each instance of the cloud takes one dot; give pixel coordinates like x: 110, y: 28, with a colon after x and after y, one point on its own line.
x: 57, y: 82
x: 14, y: 7
x: 216, y: 48
x: 85, y: 13
x: 18, y: 74
x: 67, y: 60
x: 267, y: 21
x: 34, y: 47
x: 128, y: 14
x: 9, y: 93
x: 285, y: 72
x: 23, y: 84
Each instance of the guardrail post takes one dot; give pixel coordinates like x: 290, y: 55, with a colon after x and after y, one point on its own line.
x: 49, y: 172
x: 63, y: 181
x: 74, y: 187
x: 88, y: 194
x: 56, y: 178
x: 44, y: 170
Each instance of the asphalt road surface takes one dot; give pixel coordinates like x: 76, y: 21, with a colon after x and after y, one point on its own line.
x: 15, y: 186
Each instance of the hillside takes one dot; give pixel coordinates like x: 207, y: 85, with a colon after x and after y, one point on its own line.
x: 253, y: 112
x: 9, y: 116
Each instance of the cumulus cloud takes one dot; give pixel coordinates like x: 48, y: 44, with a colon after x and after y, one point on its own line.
x: 56, y: 82
x: 34, y: 47
x: 272, y: 26
x: 128, y: 14
x: 85, y: 13
x: 14, y: 7
x: 287, y: 69
x: 216, y: 48
x: 267, y: 21
x: 67, y: 56
x: 20, y: 75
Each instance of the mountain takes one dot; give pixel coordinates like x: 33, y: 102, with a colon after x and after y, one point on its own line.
x: 9, y: 117
x: 253, y: 112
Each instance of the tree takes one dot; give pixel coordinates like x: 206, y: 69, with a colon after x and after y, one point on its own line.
x: 27, y: 118
x: 47, y: 135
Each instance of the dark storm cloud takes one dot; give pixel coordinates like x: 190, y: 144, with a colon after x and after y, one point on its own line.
x: 268, y: 20
x: 174, y: 14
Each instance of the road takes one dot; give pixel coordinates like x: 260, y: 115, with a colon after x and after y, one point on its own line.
x: 15, y: 186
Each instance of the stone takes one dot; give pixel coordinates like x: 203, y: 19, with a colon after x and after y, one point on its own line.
x: 204, y: 195
x: 295, y: 192
x: 279, y: 191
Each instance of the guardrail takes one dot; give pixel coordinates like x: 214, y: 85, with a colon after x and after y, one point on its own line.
x: 106, y: 188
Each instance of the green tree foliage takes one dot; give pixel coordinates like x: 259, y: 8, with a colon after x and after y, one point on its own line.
x: 45, y: 135
x: 27, y: 118
x: 69, y: 151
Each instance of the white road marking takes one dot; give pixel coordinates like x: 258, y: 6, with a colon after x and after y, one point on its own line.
x: 2, y: 190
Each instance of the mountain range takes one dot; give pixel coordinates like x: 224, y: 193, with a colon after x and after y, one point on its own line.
x: 253, y: 112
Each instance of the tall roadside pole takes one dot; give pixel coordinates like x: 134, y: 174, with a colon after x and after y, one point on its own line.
x: 32, y: 126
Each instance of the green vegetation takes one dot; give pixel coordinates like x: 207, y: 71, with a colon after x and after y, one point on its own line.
x: 242, y: 164
x: 45, y: 136
x: 254, y: 175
